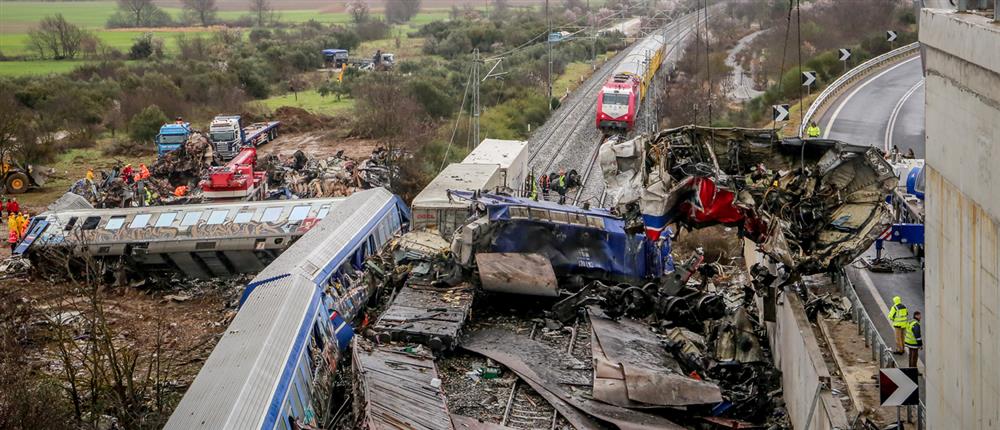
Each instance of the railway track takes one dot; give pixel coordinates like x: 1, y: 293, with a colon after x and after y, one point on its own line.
x: 525, y: 408
x: 592, y: 184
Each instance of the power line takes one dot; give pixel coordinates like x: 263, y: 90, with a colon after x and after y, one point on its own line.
x: 454, y: 131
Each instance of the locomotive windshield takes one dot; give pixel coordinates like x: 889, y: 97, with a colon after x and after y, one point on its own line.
x: 615, y: 99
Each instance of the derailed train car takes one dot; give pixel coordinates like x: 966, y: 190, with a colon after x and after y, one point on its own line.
x: 811, y: 204
x: 590, y: 242
x: 273, y: 367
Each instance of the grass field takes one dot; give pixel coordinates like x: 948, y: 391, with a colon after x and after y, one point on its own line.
x: 310, y: 101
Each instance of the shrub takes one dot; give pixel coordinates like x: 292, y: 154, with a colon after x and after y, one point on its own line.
x: 146, y: 124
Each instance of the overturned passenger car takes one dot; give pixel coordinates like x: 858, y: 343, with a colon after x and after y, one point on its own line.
x: 809, y: 203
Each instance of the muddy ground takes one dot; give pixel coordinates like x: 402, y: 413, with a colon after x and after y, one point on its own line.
x: 319, y: 144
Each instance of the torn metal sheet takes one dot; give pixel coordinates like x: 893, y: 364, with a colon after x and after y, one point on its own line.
x: 395, y: 388
x: 516, y: 273
x: 428, y: 315
x: 544, y: 369
x: 810, y: 203
x: 735, y: 340
x: 627, y: 351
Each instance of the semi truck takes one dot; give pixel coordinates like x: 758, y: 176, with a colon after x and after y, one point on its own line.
x: 171, y: 137
x: 229, y: 135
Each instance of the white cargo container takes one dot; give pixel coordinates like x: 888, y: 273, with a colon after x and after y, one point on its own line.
x: 510, y: 155
x: 432, y: 208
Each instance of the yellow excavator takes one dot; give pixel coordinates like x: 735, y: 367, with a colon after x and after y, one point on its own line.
x: 18, y: 178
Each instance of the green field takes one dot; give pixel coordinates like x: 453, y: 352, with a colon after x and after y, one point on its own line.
x: 310, y: 101
x: 17, y: 44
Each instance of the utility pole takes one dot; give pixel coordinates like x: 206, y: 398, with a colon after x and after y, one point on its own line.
x: 475, y: 97
x: 593, y: 32
x: 548, y: 46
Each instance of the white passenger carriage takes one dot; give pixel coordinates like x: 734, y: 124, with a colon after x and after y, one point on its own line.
x: 274, y: 363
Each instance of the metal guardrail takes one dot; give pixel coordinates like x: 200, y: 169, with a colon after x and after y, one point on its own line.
x: 844, y: 81
x: 866, y: 327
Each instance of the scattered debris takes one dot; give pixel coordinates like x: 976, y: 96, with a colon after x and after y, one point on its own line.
x: 397, y: 387
x: 425, y: 314
x: 810, y: 204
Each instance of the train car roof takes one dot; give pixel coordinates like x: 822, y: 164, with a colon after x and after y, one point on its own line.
x: 457, y: 176
x: 311, y: 254
x: 496, y: 151
x: 192, y: 207
x: 235, y: 386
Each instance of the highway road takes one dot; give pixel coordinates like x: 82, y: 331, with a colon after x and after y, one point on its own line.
x: 884, y: 110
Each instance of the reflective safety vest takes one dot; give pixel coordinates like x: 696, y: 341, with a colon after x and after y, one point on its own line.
x: 813, y: 131
x: 912, y: 338
x: 898, y: 315
x: 562, y: 181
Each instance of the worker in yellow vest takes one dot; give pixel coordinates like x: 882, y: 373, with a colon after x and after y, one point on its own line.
x: 899, y: 317
x: 813, y: 130
x: 914, y: 338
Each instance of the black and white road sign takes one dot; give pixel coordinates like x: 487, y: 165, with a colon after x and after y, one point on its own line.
x: 808, y: 78
x: 890, y: 36
x: 779, y: 112
x: 845, y: 53
x: 898, y: 386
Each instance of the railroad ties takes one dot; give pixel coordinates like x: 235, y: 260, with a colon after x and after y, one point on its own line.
x: 425, y: 314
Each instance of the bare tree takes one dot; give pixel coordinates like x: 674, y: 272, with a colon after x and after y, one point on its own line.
x: 359, y: 10
x: 202, y: 10
x: 56, y: 35
x: 262, y: 10
x: 400, y: 11
x: 137, y: 10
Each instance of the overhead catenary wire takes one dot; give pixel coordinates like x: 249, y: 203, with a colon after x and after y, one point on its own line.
x: 454, y: 131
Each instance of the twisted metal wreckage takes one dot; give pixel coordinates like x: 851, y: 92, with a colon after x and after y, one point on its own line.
x: 810, y: 205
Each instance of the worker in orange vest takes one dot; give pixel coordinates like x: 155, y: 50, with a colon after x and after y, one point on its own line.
x: 143, y: 171
x: 22, y: 224
x: 12, y: 240
x: 180, y: 191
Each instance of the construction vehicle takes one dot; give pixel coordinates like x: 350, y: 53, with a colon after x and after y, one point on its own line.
x: 237, y: 180
x: 229, y: 136
x: 17, y: 178
x: 171, y: 137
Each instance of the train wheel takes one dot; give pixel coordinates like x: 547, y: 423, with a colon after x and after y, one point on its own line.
x: 17, y: 183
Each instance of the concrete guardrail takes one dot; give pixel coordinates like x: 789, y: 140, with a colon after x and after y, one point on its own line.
x: 847, y: 79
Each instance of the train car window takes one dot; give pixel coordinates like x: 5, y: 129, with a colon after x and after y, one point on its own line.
x: 539, y: 214
x: 615, y: 99
x: 596, y: 221
x: 165, y: 219
x: 140, y: 221
x: 271, y: 214
x: 70, y: 223
x: 323, y: 210
x: 90, y: 223
x: 518, y: 212
x: 318, y: 334
x: 115, y: 222
x: 298, y: 213
x: 296, y: 401
x: 217, y: 217
x: 242, y: 217
x: 190, y: 218
x: 561, y: 217
x: 371, y: 245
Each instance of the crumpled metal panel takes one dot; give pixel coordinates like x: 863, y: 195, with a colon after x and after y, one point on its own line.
x: 627, y: 351
x: 515, y: 273
x: 544, y: 369
x: 810, y: 203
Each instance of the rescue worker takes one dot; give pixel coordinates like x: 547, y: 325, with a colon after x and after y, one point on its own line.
x: 12, y: 239
x: 90, y: 176
x: 22, y: 224
x: 143, y: 171
x: 813, y: 131
x: 899, y: 317
x: 914, y: 338
x: 180, y: 191
x: 534, y: 189
x: 12, y: 223
x: 543, y: 181
x: 561, y: 186
x: 127, y: 172
x: 178, y: 120
x: 149, y: 197
x: 12, y: 206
